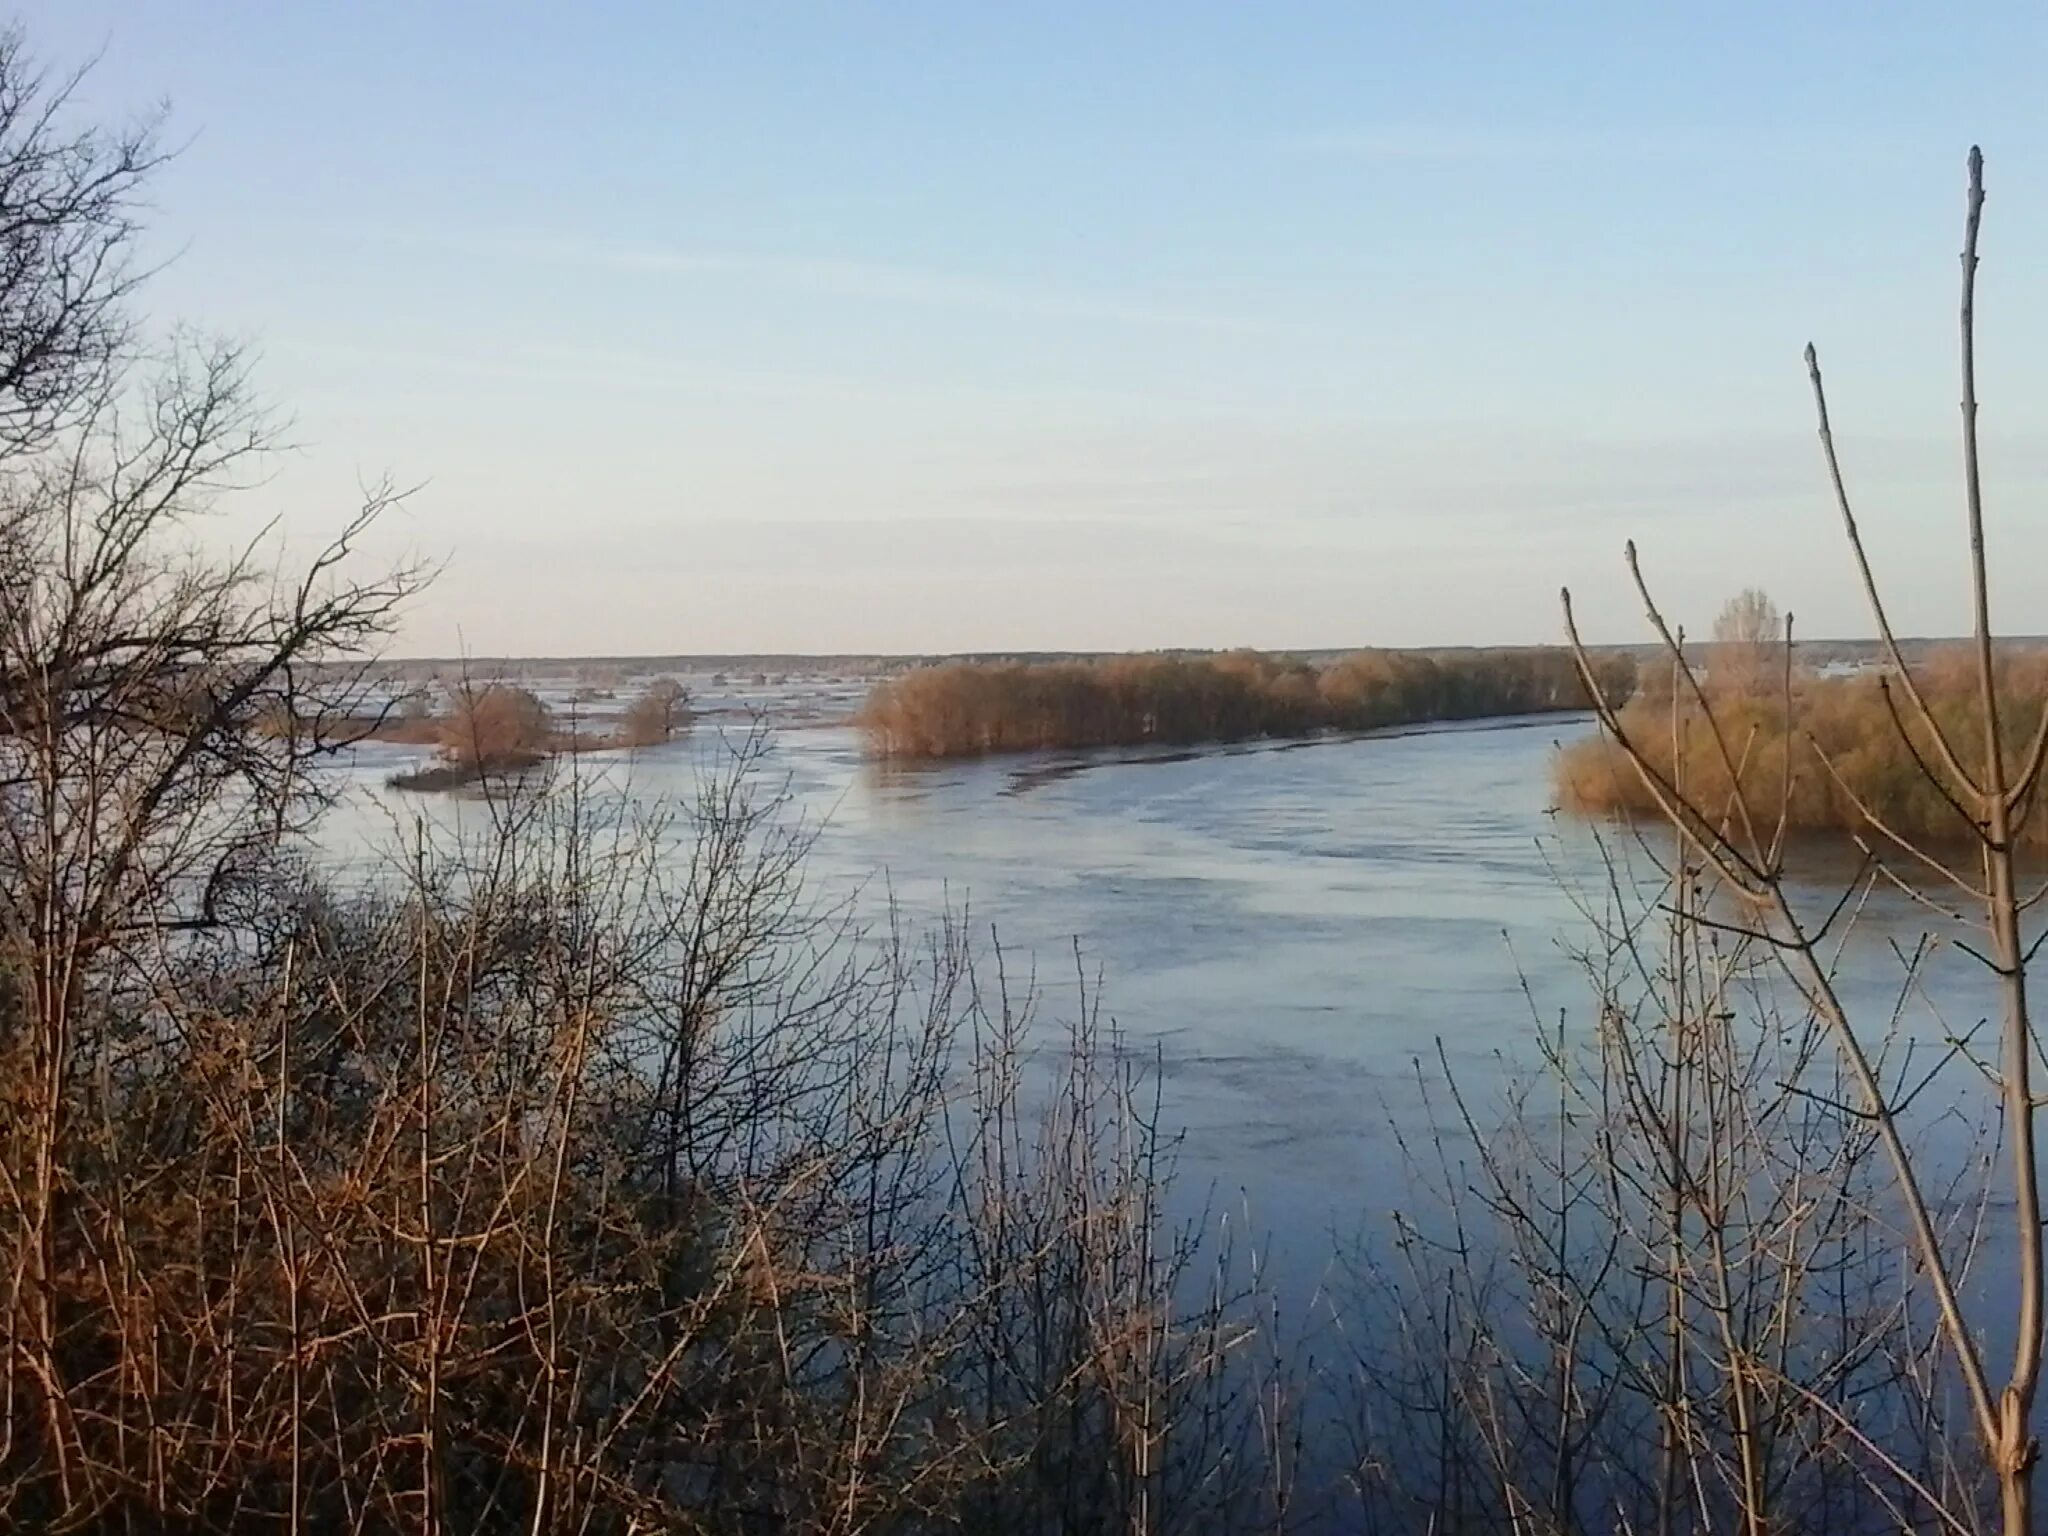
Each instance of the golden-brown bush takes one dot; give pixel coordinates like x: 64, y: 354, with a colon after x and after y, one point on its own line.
x: 1840, y: 720
x: 495, y: 725
x: 660, y: 710
x: 967, y: 709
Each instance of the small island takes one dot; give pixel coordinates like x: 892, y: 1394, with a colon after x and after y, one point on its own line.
x: 498, y: 729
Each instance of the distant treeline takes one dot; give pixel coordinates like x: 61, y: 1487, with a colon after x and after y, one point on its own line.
x: 1838, y: 720
x: 968, y: 709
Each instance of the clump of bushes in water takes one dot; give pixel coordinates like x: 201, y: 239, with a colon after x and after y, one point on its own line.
x: 660, y: 710
x: 497, y: 729
x: 490, y: 729
x: 1851, y: 769
x: 968, y: 709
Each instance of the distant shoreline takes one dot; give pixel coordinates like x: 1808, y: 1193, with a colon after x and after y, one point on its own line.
x: 854, y: 662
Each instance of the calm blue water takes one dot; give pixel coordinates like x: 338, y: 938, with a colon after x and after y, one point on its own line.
x: 1289, y: 925
x: 1293, y: 928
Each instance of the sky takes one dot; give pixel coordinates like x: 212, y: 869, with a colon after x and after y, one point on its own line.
x: 951, y: 326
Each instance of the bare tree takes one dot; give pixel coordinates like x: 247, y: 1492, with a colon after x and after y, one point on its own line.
x: 1990, y: 783
x: 68, y: 202
x: 1748, y: 632
x: 1749, y: 618
x: 159, y: 707
x: 1659, y: 1290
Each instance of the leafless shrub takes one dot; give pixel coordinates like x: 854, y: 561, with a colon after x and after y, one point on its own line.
x: 1658, y: 1286
x: 562, y: 1183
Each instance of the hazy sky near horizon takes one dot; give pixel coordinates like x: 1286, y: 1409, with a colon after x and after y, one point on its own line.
x: 957, y: 327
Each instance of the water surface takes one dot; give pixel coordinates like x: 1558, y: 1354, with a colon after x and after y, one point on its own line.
x: 1295, y: 929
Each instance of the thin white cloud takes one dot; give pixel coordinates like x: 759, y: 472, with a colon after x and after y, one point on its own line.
x: 881, y: 282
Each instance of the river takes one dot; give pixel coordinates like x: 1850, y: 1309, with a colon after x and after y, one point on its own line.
x: 1301, y: 932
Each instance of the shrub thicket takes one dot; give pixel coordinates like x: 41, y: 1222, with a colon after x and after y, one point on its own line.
x: 1854, y: 756
x: 967, y: 709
